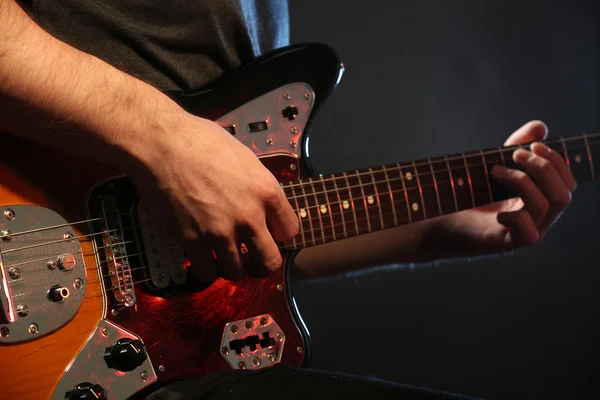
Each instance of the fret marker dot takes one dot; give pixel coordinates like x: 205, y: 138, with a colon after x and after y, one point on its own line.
x: 577, y: 158
x: 408, y: 176
x: 303, y: 213
x: 346, y: 205
x: 415, y: 207
x: 370, y: 200
x: 460, y: 181
x: 323, y: 209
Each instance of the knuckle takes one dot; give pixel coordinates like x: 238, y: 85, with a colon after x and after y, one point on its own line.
x: 273, y: 260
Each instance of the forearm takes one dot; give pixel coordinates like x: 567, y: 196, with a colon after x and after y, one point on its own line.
x: 401, y: 245
x: 61, y: 97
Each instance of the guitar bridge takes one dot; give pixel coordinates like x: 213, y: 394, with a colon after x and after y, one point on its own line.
x: 116, y: 253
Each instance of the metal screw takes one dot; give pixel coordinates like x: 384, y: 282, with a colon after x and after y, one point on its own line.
x: 68, y: 235
x: 242, y: 365
x: 294, y: 130
x: 143, y: 375
x: 14, y: 273
x: 269, y: 141
x: 293, y: 167
x: 6, y: 235
x: 299, y: 349
x: 161, y: 368
x: 9, y: 214
x: 128, y: 300
x: 307, y: 95
x: 279, y: 336
x: 256, y: 361
x: 263, y: 321
x: 233, y: 328
x: 78, y: 284
x: 280, y: 287
x: 248, y: 325
x: 104, y: 331
x: 33, y: 329
x: 225, y: 350
x: 271, y: 357
x: 114, y: 312
x: 4, y: 331
x: 52, y: 265
x: 293, y: 144
x: 22, y: 310
x: 286, y: 96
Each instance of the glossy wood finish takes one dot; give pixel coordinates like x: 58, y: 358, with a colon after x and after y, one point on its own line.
x: 30, y: 174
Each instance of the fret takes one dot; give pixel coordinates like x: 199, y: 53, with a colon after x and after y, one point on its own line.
x: 334, y: 226
x: 460, y: 183
x: 564, y: 148
x: 301, y: 211
x: 391, y: 195
x: 501, y: 151
x: 435, y: 185
x: 377, y: 198
x: 402, y: 201
x: 358, y: 193
x: 469, y: 179
x: 352, y: 203
x: 487, y: 176
x: 477, y: 178
x: 413, y: 193
x: 367, y: 185
x: 589, y: 156
x: 577, y: 152
x: 320, y: 209
x: 289, y: 193
x: 305, y: 211
x: 445, y: 184
x: 345, y: 206
x: 427, y: 189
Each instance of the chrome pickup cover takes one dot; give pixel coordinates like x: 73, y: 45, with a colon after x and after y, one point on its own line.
x: 43, y: 273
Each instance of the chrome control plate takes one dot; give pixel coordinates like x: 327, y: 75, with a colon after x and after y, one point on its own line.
x: 90, y: 366
x: 252, y: 343
x: 43, y: 273
x: 274, y: 122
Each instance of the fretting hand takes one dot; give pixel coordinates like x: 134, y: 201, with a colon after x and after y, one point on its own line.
x: 513, y: 223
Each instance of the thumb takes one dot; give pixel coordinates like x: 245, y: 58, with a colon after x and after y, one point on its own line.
x: 530, y: 132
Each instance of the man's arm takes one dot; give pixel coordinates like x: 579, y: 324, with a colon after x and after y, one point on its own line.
x: 56, y: 95
x: 492, y: 229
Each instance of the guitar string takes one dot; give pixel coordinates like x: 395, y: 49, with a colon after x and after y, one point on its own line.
x: 358, y: 174
x: 305, y: 197
x: 296, y: 210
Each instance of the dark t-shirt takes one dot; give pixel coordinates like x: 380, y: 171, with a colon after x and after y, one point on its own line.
x: 175, y: 44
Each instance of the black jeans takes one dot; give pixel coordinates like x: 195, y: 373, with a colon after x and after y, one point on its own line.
x: 287, y: 383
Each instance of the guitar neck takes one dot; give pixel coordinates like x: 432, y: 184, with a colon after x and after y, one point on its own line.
x: 343, y: 205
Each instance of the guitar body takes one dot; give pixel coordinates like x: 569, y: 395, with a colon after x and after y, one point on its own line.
x: 70, y: 313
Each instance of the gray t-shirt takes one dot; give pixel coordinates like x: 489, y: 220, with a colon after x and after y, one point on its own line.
x: 174, y: 44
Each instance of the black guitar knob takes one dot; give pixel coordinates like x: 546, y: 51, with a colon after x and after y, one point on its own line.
x: 86, y: 390
x: 125, y: 355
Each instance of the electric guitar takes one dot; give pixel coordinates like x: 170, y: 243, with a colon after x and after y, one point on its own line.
x: 96, y: 302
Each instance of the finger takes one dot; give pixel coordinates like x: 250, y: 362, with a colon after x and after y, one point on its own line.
x: 229, y: 260
x: 549, y: 182
x: 202, y: 263
x: 530, y: 132
x: 264, y: 254
x: 533, y: 198
x: 281, y: 219
x: 521, y: 229
x: 558, y: 162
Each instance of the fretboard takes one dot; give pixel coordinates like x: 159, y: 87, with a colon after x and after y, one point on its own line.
x: 343, y: 205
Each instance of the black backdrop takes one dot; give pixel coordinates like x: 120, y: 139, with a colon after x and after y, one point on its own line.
x: 426, y: 78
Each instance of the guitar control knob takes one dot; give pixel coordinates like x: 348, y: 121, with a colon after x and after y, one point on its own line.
x: 58, y: 293
x: 125, y: 355
x: 86, y: 390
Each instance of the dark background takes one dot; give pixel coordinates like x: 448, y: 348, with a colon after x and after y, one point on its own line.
x: 426, y: 78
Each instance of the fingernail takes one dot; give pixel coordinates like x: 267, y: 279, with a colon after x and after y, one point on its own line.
x: 541, y: 148
x: 522, y: 155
